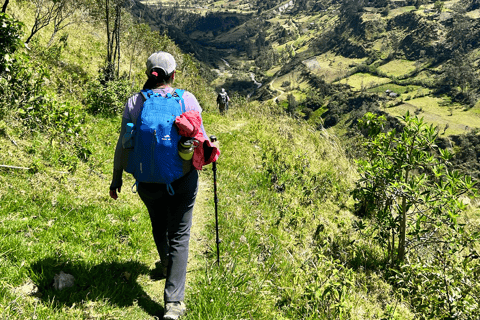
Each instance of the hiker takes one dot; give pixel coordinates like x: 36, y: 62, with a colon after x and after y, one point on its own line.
x: 170, y: 206
x: 222, y: 101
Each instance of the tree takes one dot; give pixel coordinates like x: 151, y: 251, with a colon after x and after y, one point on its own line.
x: 113, y: 37
x: 406, y: 191
x: 461, y: 79
x: 351, y: 10
x: 46, y: 11
x: 61, y: 17
x: 292, y: 103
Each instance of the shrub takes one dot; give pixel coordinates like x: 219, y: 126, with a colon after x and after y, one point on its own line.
x: 407, y: 189
x: 109, y: 98
x: 442, y: 288
x: 411, y: 201
x: 10, y: 38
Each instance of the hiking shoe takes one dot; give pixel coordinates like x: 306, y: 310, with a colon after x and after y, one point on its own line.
x: 174, y: 310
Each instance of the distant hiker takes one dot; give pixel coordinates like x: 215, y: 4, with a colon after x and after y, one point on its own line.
x: 222, y: 101
x: 167, y: 181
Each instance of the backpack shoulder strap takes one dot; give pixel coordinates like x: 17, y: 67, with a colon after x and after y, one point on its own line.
x: 146, y: 94
x: 178, y: 94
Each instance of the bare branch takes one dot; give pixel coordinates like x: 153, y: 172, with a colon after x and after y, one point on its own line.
x: 67, y: 10
x: 45, y: 11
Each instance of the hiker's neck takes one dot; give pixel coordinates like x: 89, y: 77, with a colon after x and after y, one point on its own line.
x: 163, y: 86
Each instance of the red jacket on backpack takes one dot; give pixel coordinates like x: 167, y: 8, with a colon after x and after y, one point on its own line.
x: 189, y: 124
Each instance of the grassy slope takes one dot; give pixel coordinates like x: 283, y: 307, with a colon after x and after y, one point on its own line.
x: 283, y: 191
x: 283, y: 188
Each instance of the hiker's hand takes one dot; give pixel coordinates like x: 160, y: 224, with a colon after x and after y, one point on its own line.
x: 113, y: 193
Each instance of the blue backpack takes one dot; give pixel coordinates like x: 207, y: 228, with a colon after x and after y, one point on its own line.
x: 155, y: 157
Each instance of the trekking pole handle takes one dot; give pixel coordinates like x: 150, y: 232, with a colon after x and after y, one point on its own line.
x: 213, y: 138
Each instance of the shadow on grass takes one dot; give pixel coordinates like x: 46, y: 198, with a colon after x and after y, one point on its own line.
x: 112, y: 281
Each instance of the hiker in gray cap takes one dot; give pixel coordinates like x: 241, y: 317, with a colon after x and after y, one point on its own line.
x: 170, y: 212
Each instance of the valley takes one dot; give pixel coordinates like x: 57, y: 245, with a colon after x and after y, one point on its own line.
x: 406, y: 53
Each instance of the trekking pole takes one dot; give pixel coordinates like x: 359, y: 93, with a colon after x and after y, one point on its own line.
x: 214, y: 169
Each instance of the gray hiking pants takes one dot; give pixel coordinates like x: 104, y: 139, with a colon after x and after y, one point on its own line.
x: 171, y: 218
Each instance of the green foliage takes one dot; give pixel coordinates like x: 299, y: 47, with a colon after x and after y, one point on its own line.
x: 329, y: 294
x: 443, y: 288
x: 10, y: 38
x: 48, y: 227
x: 438, y: 6
x: 108, y: 98
x: 25, y: 98
x: 412, y: 202
x: 407, y: 188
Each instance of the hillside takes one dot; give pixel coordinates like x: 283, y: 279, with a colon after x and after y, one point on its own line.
x: 324, y: 60
x: 310, y: 204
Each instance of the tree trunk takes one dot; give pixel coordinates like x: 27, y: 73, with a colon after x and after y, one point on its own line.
x: 403, y: 227
x: 403, y: 222
x: 5, y: 4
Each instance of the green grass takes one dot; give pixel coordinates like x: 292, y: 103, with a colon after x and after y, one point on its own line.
x: 280, y: 184
x: 331, y: 66
x: 360, y: 81
x: 407, y: 92
x: 397, y: 11
x: 54, y: 222
x: 459, y: 121
x: 398, y: 68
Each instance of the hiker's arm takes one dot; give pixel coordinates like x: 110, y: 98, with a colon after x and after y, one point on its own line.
x: 203, y: 131
x: 117, y: 163
x: 192, y: 104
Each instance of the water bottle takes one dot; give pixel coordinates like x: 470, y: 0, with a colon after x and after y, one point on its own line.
x: 128, y: 139
x: 185, y: 149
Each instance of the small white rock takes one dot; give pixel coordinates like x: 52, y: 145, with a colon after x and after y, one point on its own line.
x: 63, y: 280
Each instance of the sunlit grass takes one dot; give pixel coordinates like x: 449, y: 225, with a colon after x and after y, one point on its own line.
x: 398, y: 68
x: 360, y: 81
x: 474, y: 14
x: 459, y: 121
x: 397, y: 11
x: 331, y: 66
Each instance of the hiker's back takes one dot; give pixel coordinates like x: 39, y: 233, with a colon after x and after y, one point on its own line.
x: 155, y: 156
x: 222, y: 98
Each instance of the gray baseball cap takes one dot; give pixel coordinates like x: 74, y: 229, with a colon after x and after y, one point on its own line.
x: 162, y: 60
